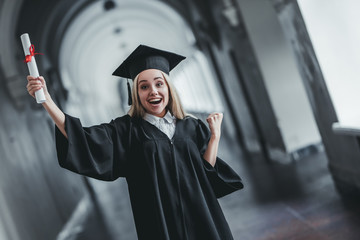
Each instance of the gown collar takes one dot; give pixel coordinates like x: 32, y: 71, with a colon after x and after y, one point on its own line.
x: 153, y: 119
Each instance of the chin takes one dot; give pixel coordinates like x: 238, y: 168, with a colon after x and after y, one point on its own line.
x: 159, y: 113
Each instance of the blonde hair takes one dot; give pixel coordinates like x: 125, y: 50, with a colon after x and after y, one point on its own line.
x: 174, y: 105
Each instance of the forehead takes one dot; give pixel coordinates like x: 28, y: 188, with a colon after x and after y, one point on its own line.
x: 150, y: 74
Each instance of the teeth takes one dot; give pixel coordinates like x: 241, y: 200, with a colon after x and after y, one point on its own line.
x: 155, y: 101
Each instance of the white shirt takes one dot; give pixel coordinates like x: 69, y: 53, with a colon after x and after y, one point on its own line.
x: 166, y: 124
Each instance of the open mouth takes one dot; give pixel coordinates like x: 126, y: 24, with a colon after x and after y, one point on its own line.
x: 155, y: 101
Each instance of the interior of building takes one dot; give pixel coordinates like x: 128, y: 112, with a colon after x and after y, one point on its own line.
x: 283, y: 73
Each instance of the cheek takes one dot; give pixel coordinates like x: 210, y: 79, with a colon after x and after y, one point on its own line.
x: 142, y: 97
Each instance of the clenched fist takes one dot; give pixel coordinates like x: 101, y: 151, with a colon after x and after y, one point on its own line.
x: 214, y: 120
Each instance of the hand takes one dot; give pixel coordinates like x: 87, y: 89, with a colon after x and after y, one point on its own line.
x: 214, y: 120
x: 35, y: 84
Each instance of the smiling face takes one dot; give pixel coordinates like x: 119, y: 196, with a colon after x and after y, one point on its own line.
x: 153, y: 92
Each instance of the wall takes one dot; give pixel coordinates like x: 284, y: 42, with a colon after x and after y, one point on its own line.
x: 333, y: 30
x: 281, y: 76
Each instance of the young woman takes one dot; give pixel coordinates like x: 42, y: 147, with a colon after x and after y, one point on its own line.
x: 168, y: 159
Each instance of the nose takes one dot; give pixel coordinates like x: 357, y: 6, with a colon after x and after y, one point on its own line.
x: 153, y: 91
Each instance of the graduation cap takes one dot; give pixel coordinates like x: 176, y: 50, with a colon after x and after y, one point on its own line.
x: 143, y: 58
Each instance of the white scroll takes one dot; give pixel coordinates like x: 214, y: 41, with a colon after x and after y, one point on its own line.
x: 33, y: 70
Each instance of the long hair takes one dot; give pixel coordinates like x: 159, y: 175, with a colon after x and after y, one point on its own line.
x: 174, y: 105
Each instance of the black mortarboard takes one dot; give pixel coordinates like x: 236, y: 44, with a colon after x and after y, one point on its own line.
x: 144, y: 57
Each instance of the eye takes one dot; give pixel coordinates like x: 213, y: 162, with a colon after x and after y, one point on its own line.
x: 159, y: 84
x: 143, y: 87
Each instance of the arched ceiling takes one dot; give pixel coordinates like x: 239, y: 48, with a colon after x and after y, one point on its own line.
x: 98, y: 40
x: 84, y: 41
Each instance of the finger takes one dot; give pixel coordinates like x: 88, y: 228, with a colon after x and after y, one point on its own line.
x: 31, y: 79
x: 41, y: 79
x: 215, y: 114
x: 33, y: 84
x: 34, y: 81
x: 214, y: 117
x: 209, y: 120
x: 32, y: 90
x: 218, y: 116
x: 28, y: 77
x: 211, y: 115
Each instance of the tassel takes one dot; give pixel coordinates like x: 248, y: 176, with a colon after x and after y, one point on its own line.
x: 129, y: 93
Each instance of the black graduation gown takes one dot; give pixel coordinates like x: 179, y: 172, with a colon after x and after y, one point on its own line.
x: 173, y: 190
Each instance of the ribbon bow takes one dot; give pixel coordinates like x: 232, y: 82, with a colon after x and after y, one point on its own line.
x: 32, y: 53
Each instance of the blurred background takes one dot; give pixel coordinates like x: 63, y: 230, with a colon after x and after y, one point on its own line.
x: 283, y: 72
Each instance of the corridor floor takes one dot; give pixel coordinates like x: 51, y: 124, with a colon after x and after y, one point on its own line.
x: 296, y: 201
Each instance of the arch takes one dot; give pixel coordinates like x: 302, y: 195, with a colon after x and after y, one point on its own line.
x: 100, y: 38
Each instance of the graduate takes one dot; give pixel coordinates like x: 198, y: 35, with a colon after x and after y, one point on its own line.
x: 169, y: 159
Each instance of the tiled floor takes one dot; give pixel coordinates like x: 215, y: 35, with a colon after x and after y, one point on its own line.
x: 295, y: 201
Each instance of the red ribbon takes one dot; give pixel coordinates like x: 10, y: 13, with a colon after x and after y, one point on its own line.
x: 32, y: 53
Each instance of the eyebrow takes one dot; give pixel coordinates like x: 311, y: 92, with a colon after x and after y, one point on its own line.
x: 144, y: 80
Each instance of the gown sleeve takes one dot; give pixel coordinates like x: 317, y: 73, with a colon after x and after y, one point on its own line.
x: 223, y: 179
x: 99, y: 151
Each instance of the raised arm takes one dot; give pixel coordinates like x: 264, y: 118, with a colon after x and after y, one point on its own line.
x: 54, y: 111
x: 214, y: 120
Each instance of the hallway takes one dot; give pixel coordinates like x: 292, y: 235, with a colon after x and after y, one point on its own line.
x: 281, y: 71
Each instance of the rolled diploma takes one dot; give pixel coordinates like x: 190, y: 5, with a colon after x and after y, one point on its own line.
x: 33, y: 70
